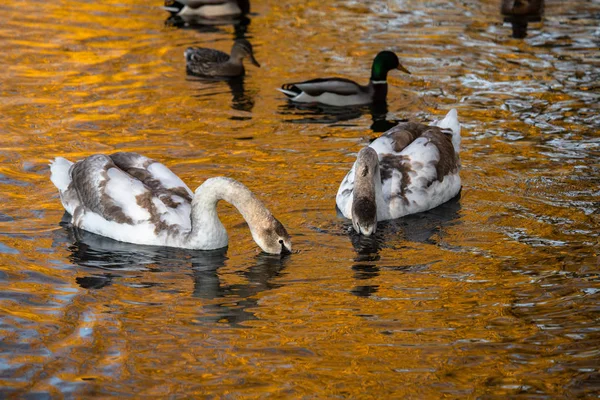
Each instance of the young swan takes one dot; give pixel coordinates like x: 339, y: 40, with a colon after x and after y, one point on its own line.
x: 366, y: 186
x: 131, y: 198
x: 214, y: 63
x: 409, y: 169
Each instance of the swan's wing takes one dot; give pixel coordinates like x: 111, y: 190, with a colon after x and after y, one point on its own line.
x: 317, y: 87
x: 113, y: 194
x: 428, y: 158
x: 153, y: 174
x: 343, y: 199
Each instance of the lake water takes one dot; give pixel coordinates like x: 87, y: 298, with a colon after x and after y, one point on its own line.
x: 492, y: 295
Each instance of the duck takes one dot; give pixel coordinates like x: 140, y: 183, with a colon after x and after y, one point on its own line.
x: 345, y: 92
x: 207, y: 8
x: 131, y: 198
x: 409, y: 169
x: 214, y: 63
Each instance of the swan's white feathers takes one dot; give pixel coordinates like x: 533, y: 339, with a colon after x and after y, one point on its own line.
x: 451, y: 122
x: 131, y: 198
x: 59, y: 169
x: 125, y: 194
x: 419, y: 167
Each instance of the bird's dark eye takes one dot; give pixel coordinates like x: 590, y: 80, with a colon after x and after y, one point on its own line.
x: 280, y: 241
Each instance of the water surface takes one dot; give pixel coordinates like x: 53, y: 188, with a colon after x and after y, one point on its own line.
x: 494, y: 294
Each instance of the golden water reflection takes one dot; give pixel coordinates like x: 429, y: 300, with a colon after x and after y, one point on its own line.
x: 492, y: 295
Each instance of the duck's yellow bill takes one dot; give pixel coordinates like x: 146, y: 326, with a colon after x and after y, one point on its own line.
x: 401, y: 68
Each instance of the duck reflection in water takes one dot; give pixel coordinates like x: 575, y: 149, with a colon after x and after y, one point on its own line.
x: 242, y: 99
x: 520, y: 12
x: 324, y: 114
x: 426, y: 227
x: 208, y: 15
x: 114, y: 261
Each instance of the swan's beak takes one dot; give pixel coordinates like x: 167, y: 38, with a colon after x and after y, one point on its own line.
x: 285, y: 250
x: 365, y: 229
x: 401, y: 68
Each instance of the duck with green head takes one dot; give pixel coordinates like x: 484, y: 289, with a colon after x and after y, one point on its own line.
x: 344, y: 92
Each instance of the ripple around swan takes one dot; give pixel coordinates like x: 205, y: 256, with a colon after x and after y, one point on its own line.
x: 494, y: 294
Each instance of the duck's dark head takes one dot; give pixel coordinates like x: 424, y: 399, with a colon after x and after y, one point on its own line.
x: 364, y: 205
x: 384, y: 62
x: 173, y: 6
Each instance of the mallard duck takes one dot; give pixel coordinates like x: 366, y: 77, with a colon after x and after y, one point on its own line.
x: 209, y: 62
x: 132, y: 198
x: 207, y: 8
x: 344, y: 92
x: 409, y: 169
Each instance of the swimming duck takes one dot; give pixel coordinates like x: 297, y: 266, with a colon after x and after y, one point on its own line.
x: 409, y: 169
x: 207, y: 8
x: 214, y: 63
x: 132, y: 198
x: 344, y: 92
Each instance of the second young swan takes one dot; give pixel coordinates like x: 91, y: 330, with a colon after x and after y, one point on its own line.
x: 409, y: 169
x: 131, y: 198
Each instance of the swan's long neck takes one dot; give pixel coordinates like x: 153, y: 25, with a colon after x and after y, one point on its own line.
x: 368, y: 186
x: 207, y: 230
x: 367, y: 194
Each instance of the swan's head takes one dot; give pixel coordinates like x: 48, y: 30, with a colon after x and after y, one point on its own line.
x: 273, y: 238
x: 364, y: 205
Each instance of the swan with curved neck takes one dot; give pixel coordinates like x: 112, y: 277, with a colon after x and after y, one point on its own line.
x: 409, y: 169
x: 131, y: 198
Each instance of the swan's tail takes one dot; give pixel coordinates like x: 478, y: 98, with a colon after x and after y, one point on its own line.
x: 60, y: 176
x: 450, y: 121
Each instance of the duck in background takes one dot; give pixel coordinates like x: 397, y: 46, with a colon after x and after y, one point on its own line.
x: 344, y: 92
x: 207, y: 8
x: 205, y: 62
x: 134, y: 199
x: 204, y: 15
x: 520, y: 12
x: 409, y: 169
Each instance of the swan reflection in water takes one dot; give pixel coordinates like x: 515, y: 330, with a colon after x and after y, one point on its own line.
x: 424, y: 227
x: 331, y: 115
x: 108, y: 261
